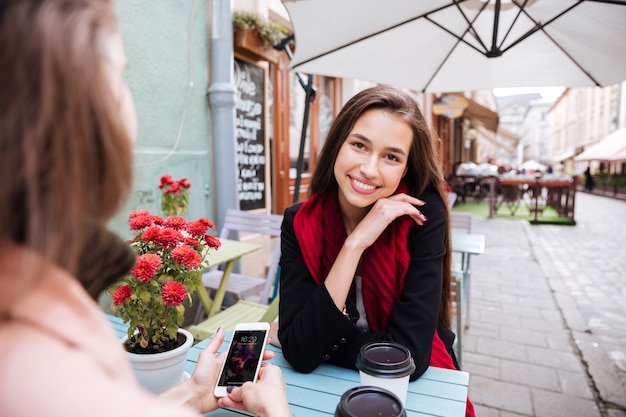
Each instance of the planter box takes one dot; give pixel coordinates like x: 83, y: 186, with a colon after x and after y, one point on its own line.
x: 247, y: 43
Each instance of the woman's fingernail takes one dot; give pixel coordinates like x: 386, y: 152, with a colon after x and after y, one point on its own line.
x: 230, y: 388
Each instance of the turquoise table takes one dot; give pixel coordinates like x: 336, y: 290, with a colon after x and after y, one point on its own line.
x: 467, y: 244
x: 439, y: 392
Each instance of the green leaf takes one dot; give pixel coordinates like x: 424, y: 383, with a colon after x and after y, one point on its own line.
x: 171, y: 331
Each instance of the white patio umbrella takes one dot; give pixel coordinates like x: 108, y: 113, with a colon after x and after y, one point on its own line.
x: 461, y: 45
x: 532, y: 165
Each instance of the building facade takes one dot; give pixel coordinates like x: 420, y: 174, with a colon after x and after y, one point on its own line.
x: 581, y: 117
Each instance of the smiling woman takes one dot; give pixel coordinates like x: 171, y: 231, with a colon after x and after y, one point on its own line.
x: 367, y: 256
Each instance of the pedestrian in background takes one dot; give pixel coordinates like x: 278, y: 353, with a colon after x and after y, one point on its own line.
x: 588, y: 180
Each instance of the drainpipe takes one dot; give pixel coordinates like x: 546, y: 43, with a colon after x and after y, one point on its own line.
x: 222, y: 95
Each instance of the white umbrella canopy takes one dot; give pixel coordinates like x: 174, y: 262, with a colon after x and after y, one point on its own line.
x: 532, y: 165
x: 611, y: 148
x: 444, y: 45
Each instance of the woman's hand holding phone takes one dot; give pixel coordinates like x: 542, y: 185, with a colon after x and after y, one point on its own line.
x: 267, y: 397
x: 245, y: 355
x: 198, y: 391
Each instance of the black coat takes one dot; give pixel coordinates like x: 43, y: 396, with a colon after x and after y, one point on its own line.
x: 312, y: 330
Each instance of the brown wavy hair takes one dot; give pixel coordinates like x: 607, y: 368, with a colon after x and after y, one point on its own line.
x: 423, y: 169
x: 66, y: 154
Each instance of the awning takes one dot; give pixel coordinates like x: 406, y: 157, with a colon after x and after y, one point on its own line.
x: 607, y: 149
x: 481, y: 115
x: 512, y: 137
x: 619, y: 156
x: 509, y: 147
x: 455, y: 105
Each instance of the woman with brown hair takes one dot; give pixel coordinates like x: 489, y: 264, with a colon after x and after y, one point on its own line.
x: 367, y: 257
x: 68, y: 123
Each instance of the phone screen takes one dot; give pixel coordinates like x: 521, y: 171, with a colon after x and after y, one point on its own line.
x: 243, y: 357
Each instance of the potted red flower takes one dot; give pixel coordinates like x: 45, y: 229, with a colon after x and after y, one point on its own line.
x: 171, y: 255
x: 174, y: 195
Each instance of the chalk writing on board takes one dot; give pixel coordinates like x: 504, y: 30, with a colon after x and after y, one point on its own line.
x: 250, y: 132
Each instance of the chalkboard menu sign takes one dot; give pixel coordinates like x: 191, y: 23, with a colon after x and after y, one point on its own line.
x: 250, y: 132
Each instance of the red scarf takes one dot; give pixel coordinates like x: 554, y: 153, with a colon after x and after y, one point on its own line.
x: 320, y: 232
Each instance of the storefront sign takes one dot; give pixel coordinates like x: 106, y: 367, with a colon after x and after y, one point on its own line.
x: 250, y: 132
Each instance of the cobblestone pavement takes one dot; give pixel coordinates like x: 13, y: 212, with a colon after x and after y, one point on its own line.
x: 547, y: 335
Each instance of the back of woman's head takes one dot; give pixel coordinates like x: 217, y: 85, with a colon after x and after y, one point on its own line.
x: 65, y: 153
x: 423, y: 167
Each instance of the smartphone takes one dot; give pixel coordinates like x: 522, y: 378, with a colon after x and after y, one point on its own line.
x: 244, y: 357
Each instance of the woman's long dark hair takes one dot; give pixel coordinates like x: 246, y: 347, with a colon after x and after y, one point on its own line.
x: 423, y: 168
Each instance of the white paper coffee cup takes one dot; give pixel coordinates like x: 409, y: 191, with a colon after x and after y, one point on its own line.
x: 387, y: 365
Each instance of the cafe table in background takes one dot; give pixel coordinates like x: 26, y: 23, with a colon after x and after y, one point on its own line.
x: 228, y: 254
x: 439, y: 392
x: 467, y: 244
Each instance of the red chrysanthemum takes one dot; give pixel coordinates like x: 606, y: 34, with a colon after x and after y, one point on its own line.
x: 174, y: 293
x: 137, y: 213
x: 175, y: 189
x: 139, y: 219
x: 146, y: 267
x: 121, y: 294
x: 176, y: 222
x: 151, y: 234
x: 191, y: 242
x: 166, y: 180
x: 184, y: 183
x: 169, y: 238
x: 197, y: 228
x: 208, y: 223
x: 158, y: 220
x: 213, y: 242
x: 186, y: 255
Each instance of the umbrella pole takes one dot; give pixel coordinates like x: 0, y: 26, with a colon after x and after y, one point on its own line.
x: 310, y: 94
x: 308, y: 98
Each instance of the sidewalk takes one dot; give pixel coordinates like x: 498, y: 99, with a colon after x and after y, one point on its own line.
x: 548, y: 323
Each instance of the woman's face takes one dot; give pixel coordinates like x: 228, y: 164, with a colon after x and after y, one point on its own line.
x: 373, y: 159
x: 116, y: 64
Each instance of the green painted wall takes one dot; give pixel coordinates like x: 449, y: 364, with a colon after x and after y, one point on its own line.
x: 167, y: 43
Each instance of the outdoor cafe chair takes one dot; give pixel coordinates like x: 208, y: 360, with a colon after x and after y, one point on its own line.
x: 242, y: 311
x: 241, y: 285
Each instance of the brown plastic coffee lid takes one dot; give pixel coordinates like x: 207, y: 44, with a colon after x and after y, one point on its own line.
x: 367, y: 401
x: 385, y: 360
